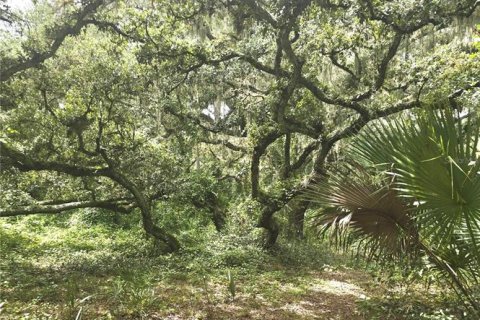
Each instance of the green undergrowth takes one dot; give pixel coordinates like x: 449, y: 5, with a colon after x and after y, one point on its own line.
x: 71, y: 267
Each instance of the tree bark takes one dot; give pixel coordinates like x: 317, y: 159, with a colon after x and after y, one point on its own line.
x: 62, y: 207
x: 270, y: 224
x: 286, y: 155
x: 212, y: 203
x: 218, y: 217
x: 297, y: 219
x: 145, y: 209
x: 258, y: 152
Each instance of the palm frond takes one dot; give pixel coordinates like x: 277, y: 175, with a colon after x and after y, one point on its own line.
x: 359, y: 211
x: 433, y: 157
x: 431, y: 204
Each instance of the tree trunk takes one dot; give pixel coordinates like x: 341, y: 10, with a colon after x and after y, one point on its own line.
x: 158, y: 233
x: 218, y: 217
x: 269, y: 223
x: 217, y: 209
x: 286, y: 156
x: 297, y: 218
x: 213, y: 204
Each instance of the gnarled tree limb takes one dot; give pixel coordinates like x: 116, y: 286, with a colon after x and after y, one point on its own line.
x: 9, y: 69
x: 63, y: 207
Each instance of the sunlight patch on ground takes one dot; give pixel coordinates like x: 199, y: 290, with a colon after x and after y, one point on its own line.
x: 337, y: 287
x: 302, y: 308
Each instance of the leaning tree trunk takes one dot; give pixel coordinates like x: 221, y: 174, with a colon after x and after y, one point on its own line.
x: 157, y: 232
x: 217, y: 211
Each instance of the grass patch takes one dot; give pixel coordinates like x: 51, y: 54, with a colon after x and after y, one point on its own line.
x: 59, y: 270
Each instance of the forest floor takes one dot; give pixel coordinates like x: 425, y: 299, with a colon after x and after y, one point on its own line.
x: 51, y: 271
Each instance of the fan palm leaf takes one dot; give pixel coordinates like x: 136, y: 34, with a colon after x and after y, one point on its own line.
x: 434, y: 161
x: 432, y: 202
x: 358, y: 208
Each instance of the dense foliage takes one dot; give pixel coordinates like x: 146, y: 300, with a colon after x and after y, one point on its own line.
x: 203, y: 116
